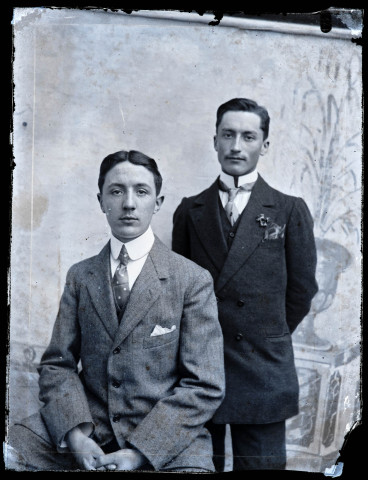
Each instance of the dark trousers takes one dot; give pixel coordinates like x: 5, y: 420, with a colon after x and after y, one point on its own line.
x: 255, y: 447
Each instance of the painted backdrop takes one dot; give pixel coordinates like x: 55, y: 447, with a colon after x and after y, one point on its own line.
x: 89, y: 83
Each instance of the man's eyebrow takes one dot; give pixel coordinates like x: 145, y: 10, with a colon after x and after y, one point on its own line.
x: 117, y: 184
x: 244, y: 131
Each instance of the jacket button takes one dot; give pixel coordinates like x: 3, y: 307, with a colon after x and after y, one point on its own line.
x: 232, y: 234
x: 239, y: 336
x: 240, y: 303
x: 116, y: 350
x: 116, y: 384
x: 116, y: 418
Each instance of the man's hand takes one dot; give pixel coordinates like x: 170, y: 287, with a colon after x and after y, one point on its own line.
x: 124, y: 459
x: 84, y: 449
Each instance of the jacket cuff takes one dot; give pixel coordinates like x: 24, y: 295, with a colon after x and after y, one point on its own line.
x: 60, y: 421
x: 86, y: 428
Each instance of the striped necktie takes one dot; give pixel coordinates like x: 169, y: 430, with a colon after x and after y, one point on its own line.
x: 230, y: 207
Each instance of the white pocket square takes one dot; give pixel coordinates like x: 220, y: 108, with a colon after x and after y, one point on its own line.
x: 158, y: 330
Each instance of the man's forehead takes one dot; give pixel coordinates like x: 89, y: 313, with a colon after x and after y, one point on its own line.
x: 240, y: 119
x: 125, y: 173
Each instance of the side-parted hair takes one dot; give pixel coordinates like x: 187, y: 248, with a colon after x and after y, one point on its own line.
x: 245, y: 105
x: 134, y: 157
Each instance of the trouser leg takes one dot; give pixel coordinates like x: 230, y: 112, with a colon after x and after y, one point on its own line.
x: 259, y: 447
x: 218, y: 432
x: 29, y: 452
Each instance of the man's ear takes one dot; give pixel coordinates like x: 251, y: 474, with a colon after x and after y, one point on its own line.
x: 99, y: 198
x: 159, y: 202
x: 215, y: 142
x: 264, y: 148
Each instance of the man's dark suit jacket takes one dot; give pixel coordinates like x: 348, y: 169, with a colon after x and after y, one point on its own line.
x: 264, y: 288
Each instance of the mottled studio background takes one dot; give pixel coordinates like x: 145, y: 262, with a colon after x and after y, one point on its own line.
x: 89, y: 83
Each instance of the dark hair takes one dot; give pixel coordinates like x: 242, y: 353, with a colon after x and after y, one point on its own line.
x: 135, y: 157
x: 245, y: 105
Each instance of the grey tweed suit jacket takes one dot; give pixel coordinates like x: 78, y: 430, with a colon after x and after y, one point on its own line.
x: 264, y: 285
x: 152, y: 393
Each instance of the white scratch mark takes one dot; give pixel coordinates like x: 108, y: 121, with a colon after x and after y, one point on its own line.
x: 347, y: 403
x: 122, y: 113
x: 32, y: 177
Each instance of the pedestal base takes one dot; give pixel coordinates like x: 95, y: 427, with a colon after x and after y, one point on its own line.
x: 328, y: 406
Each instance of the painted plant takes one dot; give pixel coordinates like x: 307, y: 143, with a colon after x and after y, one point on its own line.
x: 330, y: 176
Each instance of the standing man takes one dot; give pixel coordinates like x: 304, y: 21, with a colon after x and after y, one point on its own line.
x: 258, y: 244
x: 143, y: 323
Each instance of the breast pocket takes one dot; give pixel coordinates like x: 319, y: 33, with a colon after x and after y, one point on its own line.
x: 159, y: 340
x: 273, y: 244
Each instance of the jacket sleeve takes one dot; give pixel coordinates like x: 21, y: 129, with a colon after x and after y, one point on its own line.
x: 175, y: 421
x: 180, y: 236
x: 65, y: 402
x: 301, y: 259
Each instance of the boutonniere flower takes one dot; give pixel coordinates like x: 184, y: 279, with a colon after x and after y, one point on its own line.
x: 263, y: 221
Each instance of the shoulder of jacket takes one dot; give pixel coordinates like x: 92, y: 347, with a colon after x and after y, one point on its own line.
x: 181, y: 263
x: 83, y: 265
x: 200, y: 197
x: 295, y: 207
x: 284, y: 198
x: 279, y: 193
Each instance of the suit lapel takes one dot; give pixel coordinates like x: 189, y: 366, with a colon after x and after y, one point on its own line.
x: 98, y: 283
x: 205, y: 216
x: 249, y: 233
x: 146, y: 289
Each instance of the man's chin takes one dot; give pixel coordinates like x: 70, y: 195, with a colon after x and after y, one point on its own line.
x: 236, y: 172
x: 127, y: 236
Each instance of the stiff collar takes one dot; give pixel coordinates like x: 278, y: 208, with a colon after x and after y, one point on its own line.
x: 137, y: 248
x: 248, y: 178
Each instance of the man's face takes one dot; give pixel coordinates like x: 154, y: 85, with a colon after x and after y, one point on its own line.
x: 129, y: 200
x: 239, y: 142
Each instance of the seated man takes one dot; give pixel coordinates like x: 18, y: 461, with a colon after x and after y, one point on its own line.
x: 142, y: 321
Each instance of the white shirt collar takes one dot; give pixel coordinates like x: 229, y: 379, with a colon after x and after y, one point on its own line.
x: 248, y: 178
x: 137, y: 248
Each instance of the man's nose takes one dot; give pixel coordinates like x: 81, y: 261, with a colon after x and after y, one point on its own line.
x: 129, y: 201
x: 236, y: 147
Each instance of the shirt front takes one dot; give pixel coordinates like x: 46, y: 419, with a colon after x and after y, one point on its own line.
x: 242, y: 197
x: 138, y: 250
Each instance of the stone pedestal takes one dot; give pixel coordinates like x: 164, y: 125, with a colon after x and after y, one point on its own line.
x: 328, y: 406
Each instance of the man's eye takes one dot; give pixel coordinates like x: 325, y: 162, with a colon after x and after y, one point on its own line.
x: 141, y: 191
x: 116, y: 192
x: 227, y: 135
x: 249, y: 138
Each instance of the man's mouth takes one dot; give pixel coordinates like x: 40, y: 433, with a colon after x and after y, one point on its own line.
x: 128, y: 217
x: 232, y: 157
